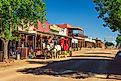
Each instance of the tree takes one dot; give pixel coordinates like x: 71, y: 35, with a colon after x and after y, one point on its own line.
x: 118, y: 41
x: 110, y: 12
x: 13, y: 13
x: 108, y: 44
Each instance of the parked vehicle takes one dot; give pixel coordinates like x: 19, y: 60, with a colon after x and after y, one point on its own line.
x: 117, y: 58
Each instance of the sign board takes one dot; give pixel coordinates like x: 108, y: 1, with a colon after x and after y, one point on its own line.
x: 63, y: 31
x: 74, y: 41
x: 55, y: 27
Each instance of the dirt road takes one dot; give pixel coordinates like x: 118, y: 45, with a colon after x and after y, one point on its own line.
x: 91, y: 65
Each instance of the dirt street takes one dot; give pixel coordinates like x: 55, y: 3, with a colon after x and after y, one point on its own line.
x: 90, y: 65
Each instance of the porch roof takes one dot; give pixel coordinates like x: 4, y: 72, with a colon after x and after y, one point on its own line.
x: 76, y: 28
x: 51, y: 33
x: 27, y: 33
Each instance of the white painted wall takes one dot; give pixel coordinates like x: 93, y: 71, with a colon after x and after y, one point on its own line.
x: 63, y: 31
x: 74, y: 41
x: 90, y: 40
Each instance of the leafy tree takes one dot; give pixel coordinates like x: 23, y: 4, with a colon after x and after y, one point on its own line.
x: 118, y: 41
x: 17, y: 13
x: 107, y: 44
x: 110, y: 12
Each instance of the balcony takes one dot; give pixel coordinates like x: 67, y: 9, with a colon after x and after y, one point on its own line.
x: 77, y: 32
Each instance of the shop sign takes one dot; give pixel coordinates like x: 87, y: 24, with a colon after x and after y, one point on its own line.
x: 55, y: 27
x: 74, y: 41
x: 63, y: 31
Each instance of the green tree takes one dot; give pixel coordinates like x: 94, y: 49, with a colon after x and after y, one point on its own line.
x: 118, y: 41
x: 13, y: 13
x: 110, y: 12
x: 108, y: 44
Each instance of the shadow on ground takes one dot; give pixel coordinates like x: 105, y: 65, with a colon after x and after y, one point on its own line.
x: 76, y: 68
x: 97, y: 53
x: 110, y: 57
x: 39, y: 62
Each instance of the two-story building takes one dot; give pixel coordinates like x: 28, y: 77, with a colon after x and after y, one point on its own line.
x: 99, y: 43
x: 77, y: 35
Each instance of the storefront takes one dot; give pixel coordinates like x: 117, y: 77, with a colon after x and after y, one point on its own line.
x: 26, y: 44
x: 90, y: 43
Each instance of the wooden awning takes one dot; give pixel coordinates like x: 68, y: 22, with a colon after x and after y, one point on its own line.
x: 76, y: 28
x: 50, y: 34
x: 27, y: 33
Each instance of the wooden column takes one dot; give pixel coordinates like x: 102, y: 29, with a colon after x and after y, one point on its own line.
x: 19, y: 42
x: 26, y: 40
x: 71, y: 43
x: 33, y: 42
x: 26, y: 49
x: 41, y: 42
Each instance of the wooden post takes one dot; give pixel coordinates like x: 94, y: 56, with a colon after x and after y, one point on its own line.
x: 26, y: 46
x: 33, y: 42
x: 26, y: 37
x: 19, y: 41
x: 41, y: 42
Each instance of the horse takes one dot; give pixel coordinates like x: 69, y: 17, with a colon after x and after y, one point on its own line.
x: 52, y: 50
x: 56, y: 51
x: 45, y: 49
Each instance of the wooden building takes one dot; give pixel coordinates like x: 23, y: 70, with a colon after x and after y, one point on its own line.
x: 78, y: 34
x: 90, y: 43
x: 99, y: 44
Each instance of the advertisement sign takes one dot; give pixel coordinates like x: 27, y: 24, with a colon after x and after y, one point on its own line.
x: 63, y: 31
x: 55, y: 27
x: 74, y: 41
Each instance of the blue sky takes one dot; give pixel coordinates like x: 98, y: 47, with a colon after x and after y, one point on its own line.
x: 78, y: 13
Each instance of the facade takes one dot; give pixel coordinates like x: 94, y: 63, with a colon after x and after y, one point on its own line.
x: 93, y: 43
x: 45, y: 27
x: 99, y: 43
x: 31, y: 39
x: 64, y: 29
x: 90, y: 43
x: 78, y: 35
x: 67, y: 36
x: 66, y: 40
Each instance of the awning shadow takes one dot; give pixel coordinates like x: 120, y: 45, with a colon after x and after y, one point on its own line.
x: 108, y: 57
x: 97, y: 53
